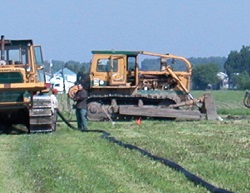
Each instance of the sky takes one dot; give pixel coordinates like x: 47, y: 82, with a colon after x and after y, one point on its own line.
x: 71, y: 29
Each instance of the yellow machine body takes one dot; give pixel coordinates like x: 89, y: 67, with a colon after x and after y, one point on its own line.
x: 22, y: 82
x: 121, y: 86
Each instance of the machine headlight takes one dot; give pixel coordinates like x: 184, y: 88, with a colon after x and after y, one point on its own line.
x: 101, y: 82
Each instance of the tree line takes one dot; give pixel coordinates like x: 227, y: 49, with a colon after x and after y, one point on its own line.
x: 205, y: 69
x: 55, y: 65
x: 236, y: 66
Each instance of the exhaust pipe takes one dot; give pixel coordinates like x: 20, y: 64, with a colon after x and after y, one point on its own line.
x: 2, y: 47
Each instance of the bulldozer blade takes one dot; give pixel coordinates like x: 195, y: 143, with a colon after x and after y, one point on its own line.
x: 160, y: 112
x: 211, y: 112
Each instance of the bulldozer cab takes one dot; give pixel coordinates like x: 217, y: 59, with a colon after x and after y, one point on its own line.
x: 21, y: 53
x: 112, y: 69
x: 21, y: 66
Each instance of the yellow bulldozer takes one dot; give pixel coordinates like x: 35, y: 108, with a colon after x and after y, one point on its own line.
x: 23, y: 98
x: 121, y: 87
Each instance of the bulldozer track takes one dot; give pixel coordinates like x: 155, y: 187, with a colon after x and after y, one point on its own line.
x: 42, y: 118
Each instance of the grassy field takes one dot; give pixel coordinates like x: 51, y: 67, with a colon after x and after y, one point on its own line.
x: 71, y: 161
x: 228, y: 102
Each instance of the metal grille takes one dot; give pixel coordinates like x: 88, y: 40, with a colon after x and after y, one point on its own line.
x: 10, y: 77
x: 11, y: 96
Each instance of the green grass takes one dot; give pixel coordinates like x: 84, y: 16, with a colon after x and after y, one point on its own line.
x: 71, y: 161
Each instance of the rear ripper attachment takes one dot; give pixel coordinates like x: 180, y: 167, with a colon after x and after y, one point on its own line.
x: 42, y: 118
x: 121, y: 87
x: 21, y: 79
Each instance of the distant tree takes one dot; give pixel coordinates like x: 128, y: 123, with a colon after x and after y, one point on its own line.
x: 46, y: 66
x: 53, y: 66
x: 77, y: 66
x: 56, y: 65
x: 245, y: 59
x: 203, y: 75
x: 243, y: 81
x: 220, y: 61
x: 154, y: 64
x: 238, y: 62
x: 73, y: 66
x: 150, y: 64
x: 232, y: 64
x: 85, y: 67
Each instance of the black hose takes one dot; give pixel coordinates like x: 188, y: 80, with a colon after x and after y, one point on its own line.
x: 195, y: 179
x: 65, y: 120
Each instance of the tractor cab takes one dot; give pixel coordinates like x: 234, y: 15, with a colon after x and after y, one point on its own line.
x: 21, y: 61
x: 113, y: 68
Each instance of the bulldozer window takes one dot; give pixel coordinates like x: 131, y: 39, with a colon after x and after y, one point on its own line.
x: 16, y: 55
x: 38, y: 55
x: 131, y: 63
x: 150, y: 63
x: 104, y: 65
x: 41, y: 76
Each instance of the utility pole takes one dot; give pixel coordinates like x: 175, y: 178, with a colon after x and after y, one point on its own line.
x: 64, y: 90
x: 50, y: 67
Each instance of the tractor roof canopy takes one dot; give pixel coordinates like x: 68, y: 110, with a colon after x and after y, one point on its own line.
x: 118, y: 52
x: 17, y: 42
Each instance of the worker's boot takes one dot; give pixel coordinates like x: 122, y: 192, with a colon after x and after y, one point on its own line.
x: 84, y: 129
